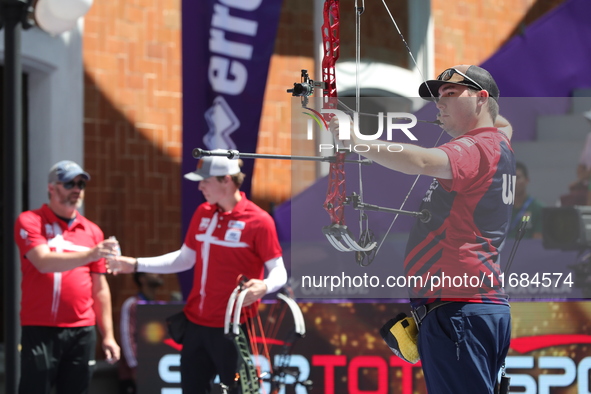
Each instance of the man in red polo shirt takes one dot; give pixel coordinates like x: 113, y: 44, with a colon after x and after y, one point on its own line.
x: 228, y: 236
x: 64, y: 289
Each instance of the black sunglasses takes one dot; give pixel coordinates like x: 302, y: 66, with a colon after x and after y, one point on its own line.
x: 70, y: 185
x: 451, y: 75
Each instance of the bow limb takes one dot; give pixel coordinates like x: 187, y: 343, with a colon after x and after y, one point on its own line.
x: 285, y: 326
x: 337, y: 233
x: 247, y: 375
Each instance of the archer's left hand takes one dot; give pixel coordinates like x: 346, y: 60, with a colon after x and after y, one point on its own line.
x: 333, y: 127
x: 256, y: 289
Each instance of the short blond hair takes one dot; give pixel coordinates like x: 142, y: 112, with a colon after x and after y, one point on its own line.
x: 238, y: 179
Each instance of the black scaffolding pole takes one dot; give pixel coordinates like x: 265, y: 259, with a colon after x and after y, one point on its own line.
x: 13, y: 18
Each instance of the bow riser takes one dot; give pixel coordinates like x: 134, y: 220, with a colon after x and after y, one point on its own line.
x: 331, y: 47
x: 336, y: 196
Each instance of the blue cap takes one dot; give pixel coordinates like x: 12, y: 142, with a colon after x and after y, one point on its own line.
x: 66, y: 170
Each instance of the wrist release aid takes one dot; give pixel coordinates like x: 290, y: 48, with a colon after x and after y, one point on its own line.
x: 401, y: 335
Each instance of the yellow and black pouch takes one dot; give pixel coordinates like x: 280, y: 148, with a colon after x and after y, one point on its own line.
x: 401, y: 335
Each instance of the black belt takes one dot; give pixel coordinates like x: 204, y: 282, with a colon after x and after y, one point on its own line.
x: 419, y: 313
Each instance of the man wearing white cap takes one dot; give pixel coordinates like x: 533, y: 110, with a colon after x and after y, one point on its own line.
x: 229, y: 236
x: 64, y: 289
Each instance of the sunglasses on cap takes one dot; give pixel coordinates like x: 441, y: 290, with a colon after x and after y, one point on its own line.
x: 452, y: 75
x: 70, y: 185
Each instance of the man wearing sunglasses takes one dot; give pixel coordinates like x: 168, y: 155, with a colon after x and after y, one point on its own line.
x: 464, y: 327
x: 64, y: 289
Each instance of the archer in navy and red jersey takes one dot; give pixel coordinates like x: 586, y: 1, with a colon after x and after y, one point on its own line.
x: 452, y: 260
x: 469, y: 220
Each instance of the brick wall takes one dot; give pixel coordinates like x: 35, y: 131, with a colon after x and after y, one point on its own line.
x: 470, y: 31
x: 294, y: 51
x: 379, y: 39
x: 132, y: 125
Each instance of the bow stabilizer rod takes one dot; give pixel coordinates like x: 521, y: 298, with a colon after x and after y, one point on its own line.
x: 231, y: 154
x: 355, y: 200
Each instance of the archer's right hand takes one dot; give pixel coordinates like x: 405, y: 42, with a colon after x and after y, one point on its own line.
x: 121, y: 265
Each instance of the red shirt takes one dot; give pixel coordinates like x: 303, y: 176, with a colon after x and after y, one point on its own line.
x: 60, y: 299
x: 470, y: 216
x: 227, y: 244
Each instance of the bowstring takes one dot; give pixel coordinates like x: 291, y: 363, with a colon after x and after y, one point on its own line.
x: 407, y: 47
x: 438, y: 139
x: 358, y: 12
x: 403, y: 202
x: 274, y: 319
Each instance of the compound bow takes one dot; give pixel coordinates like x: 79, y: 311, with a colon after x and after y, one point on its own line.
x: 285, y: 325
x: 337, y: 232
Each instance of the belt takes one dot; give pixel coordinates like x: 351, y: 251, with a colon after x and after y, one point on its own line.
x: 419, y: 313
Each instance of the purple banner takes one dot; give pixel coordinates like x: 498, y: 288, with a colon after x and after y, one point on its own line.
x: 551, y: 58
x: 227, y: 45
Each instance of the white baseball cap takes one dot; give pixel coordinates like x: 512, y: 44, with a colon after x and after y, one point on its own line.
x: 214, y: 166
x: 587, y: 115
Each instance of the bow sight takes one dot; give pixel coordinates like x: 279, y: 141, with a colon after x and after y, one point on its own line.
x: 305, y: 88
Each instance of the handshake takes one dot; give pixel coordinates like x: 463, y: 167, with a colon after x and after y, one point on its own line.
x: 116, y: 263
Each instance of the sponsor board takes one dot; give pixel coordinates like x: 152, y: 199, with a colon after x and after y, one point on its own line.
x: 344, y: 353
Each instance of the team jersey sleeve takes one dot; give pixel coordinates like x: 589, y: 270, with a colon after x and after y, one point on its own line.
x: 465, y: 160
x: 99, y: 266
x: 28, y: 232
x: 267, y: 243
x: 190, y: 240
